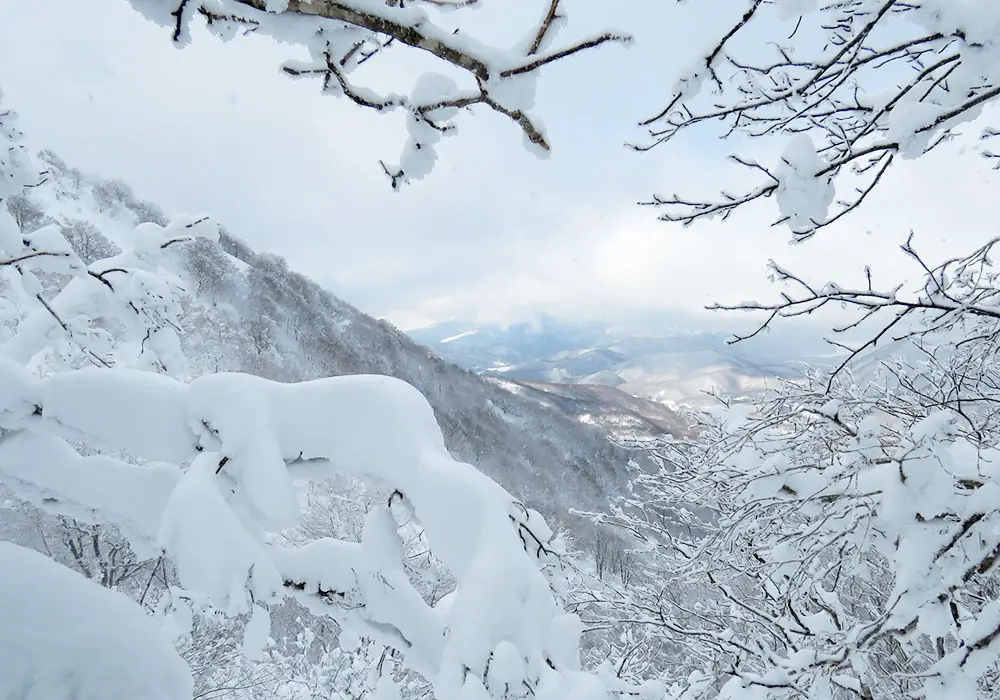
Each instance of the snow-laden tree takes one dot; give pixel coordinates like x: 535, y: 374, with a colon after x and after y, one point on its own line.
x: 205, y: 474
x: 852, y: 87
x: 840, y: 537
x: 343, y: 35
x: 28, y: 215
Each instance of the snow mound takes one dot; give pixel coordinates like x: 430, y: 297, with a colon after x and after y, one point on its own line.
x: 64, y: 633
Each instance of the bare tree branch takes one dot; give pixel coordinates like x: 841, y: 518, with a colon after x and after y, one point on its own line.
x: 846, y: 76
x: 381, y: 27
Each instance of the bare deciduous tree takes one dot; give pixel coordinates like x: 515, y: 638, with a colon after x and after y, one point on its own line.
x: 612, y: 557
x: 866, y: 82
x: 111, y: 193
x: 146, y: 212
x: 87, y: 241
x: 28, y: 214
x: 955, y: 293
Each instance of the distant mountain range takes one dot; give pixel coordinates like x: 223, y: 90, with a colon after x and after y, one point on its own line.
x: 617, y: 412
x: 675, y: 366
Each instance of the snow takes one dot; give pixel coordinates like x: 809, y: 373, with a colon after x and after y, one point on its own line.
x: 21, y: 394
x: 141, y: 412
x: 239, y: 420
x: 55, y: 252
x: 15, y: 171
x: 979, y: 20
x: 905, y: 120
x: 453, y: 338
x: 208, y: 472
x: 244, y: 438
x: 564, y: 640
x: 214, y: 553
x: 256, y: 634
x: 66, y: 637
x: 506, y: 666
x: 769, y: 81
x: 95, y: 489
x: 419, y: 152
x: 347, y: 640
x: 385, y: 689
x: 380, y: 604
x: 123, y: 311
x: 803, y: 195
x: 830, y: 409
x: 890, y: 491
x: 216, y: 517
x: 490, y: 76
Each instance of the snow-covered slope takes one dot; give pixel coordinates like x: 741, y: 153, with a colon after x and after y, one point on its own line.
x: 251, y: 313
x: 186, y: 479
x: 493, y: 347
x: 614, y: 410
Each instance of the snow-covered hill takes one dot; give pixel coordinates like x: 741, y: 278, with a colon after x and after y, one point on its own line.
x: 614, y: 410
x: 676, y: 367
x: 483, y: 347
x: 250, y: 313
x: 241, y: 311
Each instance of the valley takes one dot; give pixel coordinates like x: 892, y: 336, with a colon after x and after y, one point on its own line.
x: 673, y: 366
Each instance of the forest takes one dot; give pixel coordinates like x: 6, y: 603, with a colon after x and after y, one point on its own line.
x: 220, y: 480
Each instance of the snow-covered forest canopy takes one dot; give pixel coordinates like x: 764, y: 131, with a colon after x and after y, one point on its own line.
x: 219, y: 480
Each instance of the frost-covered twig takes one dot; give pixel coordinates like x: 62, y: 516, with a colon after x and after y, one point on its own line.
x: 864, y: 83
x: 847, y: 545
x: 952, y: 293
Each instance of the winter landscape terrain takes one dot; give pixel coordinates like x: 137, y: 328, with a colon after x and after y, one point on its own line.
x: 244, y: 312
x: 250, y: 313
x: 674, y: 367
x: 219, y: 479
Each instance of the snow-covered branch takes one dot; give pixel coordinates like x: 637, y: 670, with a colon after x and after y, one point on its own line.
x: 341, y: 35
x: 858, y: 84
x: 837, y: 535
x: 248, y: 439
x: 957, y: 292
x: 843, y: 542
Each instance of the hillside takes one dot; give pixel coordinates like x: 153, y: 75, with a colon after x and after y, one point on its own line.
x: 610, y: 408
x: 248, y: 312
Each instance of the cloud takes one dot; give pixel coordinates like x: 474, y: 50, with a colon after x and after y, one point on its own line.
x: 494, y: 232
x: 608, y: 258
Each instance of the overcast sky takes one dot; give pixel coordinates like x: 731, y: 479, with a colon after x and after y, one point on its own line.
x: 494, y: 233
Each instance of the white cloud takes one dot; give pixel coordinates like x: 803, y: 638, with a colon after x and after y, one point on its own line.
x: 493, y: 232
